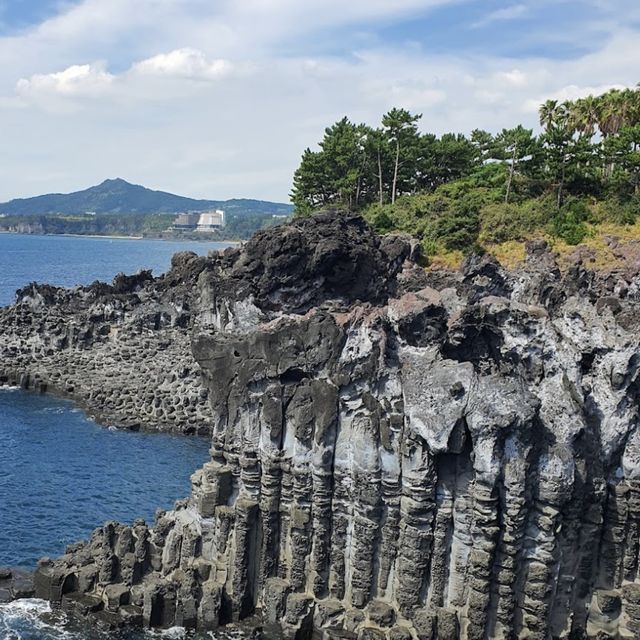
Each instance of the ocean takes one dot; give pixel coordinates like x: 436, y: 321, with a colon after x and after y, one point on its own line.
x: 62, y: 475
x: 67, y: 261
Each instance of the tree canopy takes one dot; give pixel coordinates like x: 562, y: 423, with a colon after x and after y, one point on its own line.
x: 587, y: 149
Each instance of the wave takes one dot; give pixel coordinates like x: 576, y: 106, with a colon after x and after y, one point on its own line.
x: 32, y: 619
x: 27, y: 618
x: 55, y: 410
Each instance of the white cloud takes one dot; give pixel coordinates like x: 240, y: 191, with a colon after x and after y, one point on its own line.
x: 184, y: 63
x: 514, y: 12
x: 76, y: 80
x: 514, y: 77
x: 571, y: 92
x: 219, y: 99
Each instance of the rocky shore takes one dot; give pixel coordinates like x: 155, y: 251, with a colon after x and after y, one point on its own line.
x: 121, y: 351
x: 395, y: 453
x: 15, y: 584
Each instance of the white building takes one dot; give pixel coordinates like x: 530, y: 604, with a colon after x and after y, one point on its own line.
x: 211, y: 220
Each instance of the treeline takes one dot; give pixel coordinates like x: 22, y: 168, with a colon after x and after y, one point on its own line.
x: 99, y: 224
x: 583, y: 167
x: 238, y: 227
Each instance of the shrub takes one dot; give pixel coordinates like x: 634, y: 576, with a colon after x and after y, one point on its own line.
x: 621, y: 211
x: 501, y: 222
x: 569, y: 222
x: 379, y: 217
x: 458, y: 228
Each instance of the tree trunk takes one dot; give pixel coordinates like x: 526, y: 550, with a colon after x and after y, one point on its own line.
x: 395, y: 173
x: 636, y: 186
x: 380, y: 175
x: 511, y: 172
x: 561, y: 186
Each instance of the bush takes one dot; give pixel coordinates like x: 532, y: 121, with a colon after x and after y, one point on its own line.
x: 410, y: 214
x: 431, y: 247
x: 461, y: 216
x: 458, y: 228
x: 379, y: 216
x: 569, y: 222
x: 514, y: 221
x: 621, y: 211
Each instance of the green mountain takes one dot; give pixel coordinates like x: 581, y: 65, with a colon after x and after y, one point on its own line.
x: 120, y: 196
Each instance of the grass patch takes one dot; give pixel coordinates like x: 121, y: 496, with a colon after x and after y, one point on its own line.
x: 512, y: 253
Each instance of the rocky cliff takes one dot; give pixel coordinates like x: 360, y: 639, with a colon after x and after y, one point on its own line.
x: 121, y: 351
x: 395, y: 454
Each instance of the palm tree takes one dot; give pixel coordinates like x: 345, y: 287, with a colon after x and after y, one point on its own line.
x: 554, y: 115
x: 562, y: 115
x: 630, y: 104
x: 548, y: 112
x: 611, y: 115
x: 583, y: 115
x: 634, y: 106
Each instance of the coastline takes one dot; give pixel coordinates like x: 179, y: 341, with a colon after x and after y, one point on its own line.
x: 130, y: 366
x: 71, y: 389
x: 235, y: 242
x: 93, y: 235
x: 72, y: 235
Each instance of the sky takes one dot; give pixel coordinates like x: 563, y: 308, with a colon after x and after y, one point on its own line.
x: 219, y: 98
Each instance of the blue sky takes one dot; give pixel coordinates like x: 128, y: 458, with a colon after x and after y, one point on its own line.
x: 218, y: 98
x: 21, y: 14
x: 515, y: 29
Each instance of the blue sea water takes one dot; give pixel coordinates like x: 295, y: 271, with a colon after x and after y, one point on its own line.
x: 61, y: 475
x: 67, y: 261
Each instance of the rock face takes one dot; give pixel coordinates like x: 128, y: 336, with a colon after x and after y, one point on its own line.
x: 121, y: 351
x: 15, y: 584
x: 394, y: 454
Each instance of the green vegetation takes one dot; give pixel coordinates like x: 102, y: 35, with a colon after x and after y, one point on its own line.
x: 461, y: 193
x: 116, y: 207
x: 121, y: 197
x: 239, y: 226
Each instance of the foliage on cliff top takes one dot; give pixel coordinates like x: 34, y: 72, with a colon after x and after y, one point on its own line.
x: 482, y: 192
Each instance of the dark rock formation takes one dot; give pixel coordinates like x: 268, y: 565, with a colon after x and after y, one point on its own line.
x: 301, y: 265
x: 121, y: 351
x: 390, y: 460
x: 15, y: 584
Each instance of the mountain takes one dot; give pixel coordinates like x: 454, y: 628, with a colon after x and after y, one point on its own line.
x: 120, y: 196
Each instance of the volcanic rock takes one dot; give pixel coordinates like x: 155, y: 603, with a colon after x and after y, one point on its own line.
x: 391, y: 458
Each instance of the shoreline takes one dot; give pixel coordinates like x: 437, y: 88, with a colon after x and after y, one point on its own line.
x: 90, y: 413
x: 9, y: 381
x: 91, y: 235
x: 131, y: 367
x: 16, y: 583
x: 122, y: 237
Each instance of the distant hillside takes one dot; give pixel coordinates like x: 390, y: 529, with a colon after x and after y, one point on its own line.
x: 119, y: 196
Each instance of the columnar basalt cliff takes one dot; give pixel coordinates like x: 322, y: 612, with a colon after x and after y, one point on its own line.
x: 121, y: 351
x: 395, y: 453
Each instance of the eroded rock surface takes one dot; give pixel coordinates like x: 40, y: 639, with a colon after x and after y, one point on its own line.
x: 416, y: 456
x: 121, y: 351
